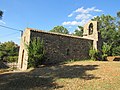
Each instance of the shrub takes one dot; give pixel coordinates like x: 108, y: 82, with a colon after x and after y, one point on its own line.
x: 12, y: 58
x: 93, y: 53
x: 36, y: 52
x: 116, y: 51
x: 105, y: 50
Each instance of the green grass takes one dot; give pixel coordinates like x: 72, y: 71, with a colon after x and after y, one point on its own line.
x: 79, y: 75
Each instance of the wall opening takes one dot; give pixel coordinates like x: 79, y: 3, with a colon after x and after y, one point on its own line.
x: 24, y: 39
x: 91, y: 29
x: 22, y: 58
x: 68, y: 52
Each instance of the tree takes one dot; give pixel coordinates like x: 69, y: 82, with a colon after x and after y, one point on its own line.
x: 60, y: 29
x: 105, y: 50
x: 36, y: 52
x: 116, y: 46
x: 1, y: 14
x: 118, y: 14
x: 79, y: 31
x: 116, y: 51
x: 107, y: 28
x: 9, y: 51
x: 118, y: 20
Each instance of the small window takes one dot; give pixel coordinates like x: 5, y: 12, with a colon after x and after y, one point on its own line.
x: 68, y: 52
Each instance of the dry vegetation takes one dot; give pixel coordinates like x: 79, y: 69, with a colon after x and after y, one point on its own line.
x: 80, y: 75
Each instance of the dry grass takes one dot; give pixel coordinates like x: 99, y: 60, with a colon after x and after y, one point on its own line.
x: 80, y: 75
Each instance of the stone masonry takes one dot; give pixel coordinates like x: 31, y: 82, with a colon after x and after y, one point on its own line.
x: 60, y: 47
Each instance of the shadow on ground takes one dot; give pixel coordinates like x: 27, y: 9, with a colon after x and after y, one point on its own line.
x: 43, y: 78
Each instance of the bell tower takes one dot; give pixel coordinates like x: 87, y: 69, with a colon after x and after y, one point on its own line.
x: 91, y: 32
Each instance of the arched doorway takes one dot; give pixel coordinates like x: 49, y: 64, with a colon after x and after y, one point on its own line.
x: 22, y: 58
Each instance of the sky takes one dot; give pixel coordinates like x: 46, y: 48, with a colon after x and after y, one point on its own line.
x: 46, y: 14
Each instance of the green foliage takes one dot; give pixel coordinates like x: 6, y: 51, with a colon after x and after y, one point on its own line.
x: 3, y: 54
x: 9, y: 51
x: 109, y: 28
x: 118, y: 22
x: 106, y: 26
x: 1, y: 14
x: 60, y: 29
x: 116, y: 51
x: 36, y: 52
x: 105, y: 50
x: 93, y: 53
x: 12, y: 58
x: 79, y: 31
x: 118, y: 14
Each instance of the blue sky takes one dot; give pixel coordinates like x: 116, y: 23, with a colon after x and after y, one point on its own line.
x: 45, y: 14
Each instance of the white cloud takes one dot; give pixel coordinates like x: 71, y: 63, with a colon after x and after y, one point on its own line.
x: 80, y: 10
x: 88, y: 10
x: 2, y: 22
x: 71, y: 23
x: 74, y: 23
x: 70, y: 15
x: 98, y: 10
x: 81, y: 16
x: 94, y: 16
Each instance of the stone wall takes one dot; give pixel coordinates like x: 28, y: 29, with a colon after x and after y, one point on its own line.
x: 23, y: 56
x: 61, y: 47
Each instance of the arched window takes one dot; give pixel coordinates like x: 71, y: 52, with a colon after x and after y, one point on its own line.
x: 90, y: 29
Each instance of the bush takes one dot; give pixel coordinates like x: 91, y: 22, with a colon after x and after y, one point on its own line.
x: 105, y: 50
x: 93, y: 53
x: 36, y: 52
x: 116, y: 51
x: 12, y: 58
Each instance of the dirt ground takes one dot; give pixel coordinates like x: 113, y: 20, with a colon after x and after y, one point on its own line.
x: 79, y: 75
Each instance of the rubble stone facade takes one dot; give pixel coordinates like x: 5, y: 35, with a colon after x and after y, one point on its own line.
x: 60, y: 47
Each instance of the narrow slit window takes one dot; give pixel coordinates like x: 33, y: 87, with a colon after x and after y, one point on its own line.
x: 24, y: 39
x: 68, y: 52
